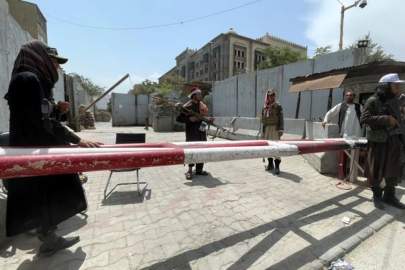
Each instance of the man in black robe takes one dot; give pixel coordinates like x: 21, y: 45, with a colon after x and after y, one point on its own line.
x: 40, y: 202
x: 195, y: 126
x: 382, y: 117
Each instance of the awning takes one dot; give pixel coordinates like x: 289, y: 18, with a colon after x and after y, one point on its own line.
x: 323, y: 83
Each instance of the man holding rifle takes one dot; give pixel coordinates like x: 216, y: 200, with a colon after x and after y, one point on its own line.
x: 193, y: 113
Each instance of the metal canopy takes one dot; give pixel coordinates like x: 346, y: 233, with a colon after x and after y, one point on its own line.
x: 336, y: 77
x: 326, y: 82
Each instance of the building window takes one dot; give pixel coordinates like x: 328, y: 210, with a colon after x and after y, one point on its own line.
x: 243, y: 54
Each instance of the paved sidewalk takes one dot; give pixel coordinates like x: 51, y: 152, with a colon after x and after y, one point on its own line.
x: 239, y: 217
x: 384, y: 251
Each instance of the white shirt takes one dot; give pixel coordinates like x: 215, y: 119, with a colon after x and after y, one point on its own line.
x: 350, y: 126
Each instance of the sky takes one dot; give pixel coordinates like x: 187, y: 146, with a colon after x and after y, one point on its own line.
x: 106, y: 39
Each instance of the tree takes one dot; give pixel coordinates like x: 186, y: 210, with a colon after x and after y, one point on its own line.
x: 172, y: 83
x: 277, y: 56
x: 144, y: 88
x: 375, y: 52
x: 91, y: 88
x: 323, y: 50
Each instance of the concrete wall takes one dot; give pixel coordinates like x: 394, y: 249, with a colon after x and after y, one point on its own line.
x: 245, y: 124
x: 12, y: 36
x: 224, y: 97
x: 243, y: 95
x: 246, y: 95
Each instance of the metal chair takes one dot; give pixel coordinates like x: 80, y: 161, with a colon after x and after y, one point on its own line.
x: 123, y: 138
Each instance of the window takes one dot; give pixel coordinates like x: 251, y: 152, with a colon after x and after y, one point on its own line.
x: 243, y: 65
x: 243, y: 54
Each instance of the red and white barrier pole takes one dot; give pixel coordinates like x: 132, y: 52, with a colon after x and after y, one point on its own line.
x: 24, y: 162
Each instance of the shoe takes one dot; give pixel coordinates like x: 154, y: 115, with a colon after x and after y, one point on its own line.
x: 395, y: 203
x: 377, y: 198
x: 204, y: 173
x: 390, y: 199
x: 277, y: 167
x: 378, y: 203
x: 189, y: 175
x: 49, y: 248
x: 270, y: 167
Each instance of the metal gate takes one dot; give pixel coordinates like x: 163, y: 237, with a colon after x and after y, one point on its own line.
x: 129, y: 110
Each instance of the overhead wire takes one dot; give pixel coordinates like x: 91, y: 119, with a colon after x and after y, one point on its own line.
x: 181, y: 22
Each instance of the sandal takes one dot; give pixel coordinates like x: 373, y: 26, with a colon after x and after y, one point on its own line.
x: 189, y: 175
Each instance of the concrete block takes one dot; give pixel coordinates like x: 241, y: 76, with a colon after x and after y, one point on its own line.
x: 162, y: 124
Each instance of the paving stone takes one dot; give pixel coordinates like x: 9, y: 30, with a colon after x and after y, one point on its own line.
x: 239, y: 216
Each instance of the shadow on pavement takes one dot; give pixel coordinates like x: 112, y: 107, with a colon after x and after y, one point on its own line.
x: 127, y: 197
x: 63, y: 260
x: 278, y: 228
x: 207, y: 181
x: 290, y: 176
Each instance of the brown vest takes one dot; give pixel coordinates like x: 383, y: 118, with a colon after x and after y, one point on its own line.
x: 273, y: 118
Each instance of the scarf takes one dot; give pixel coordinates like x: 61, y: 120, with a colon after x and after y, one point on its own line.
x: 33, y: 57
x: 267, y: 106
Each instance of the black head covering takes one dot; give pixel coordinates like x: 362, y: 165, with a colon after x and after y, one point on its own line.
x: 33, y: 57
x: 383, y: 92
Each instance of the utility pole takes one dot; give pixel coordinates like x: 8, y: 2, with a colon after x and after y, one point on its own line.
x: 360, y: 3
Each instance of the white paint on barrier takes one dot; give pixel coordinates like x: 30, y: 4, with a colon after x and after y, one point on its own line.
x: 217, y: 142
x: 199, y: 155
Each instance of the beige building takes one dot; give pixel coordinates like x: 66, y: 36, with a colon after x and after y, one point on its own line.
x: 226, y: 55
x: 30, y: 18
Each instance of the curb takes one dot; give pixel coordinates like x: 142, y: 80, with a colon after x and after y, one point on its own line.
x: 352, y: 242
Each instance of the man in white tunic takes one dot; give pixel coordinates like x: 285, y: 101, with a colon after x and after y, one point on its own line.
x: 348, y: 114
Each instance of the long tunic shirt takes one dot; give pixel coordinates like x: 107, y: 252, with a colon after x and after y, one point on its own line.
x: 351, y: 125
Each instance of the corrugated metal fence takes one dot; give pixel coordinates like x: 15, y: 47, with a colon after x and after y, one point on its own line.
x: 243, y: 95
x: 129, y: 110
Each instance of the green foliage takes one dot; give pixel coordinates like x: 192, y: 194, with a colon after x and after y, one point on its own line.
x: 277, y: 56
x: 144, y: 88
x: 375, y: 52
x: 89, y: 86
x: 323, y: 50
x: 109, y: 106
x: 172, y: 83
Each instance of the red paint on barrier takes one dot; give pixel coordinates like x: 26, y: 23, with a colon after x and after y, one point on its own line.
x: 37, y: 165
x: 325, y: 146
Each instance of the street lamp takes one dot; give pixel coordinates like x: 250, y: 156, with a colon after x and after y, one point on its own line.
x: 360, y: 3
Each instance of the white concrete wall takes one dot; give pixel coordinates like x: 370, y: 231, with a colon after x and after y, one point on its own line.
x: 12, y: 36
x: 247, y: 95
